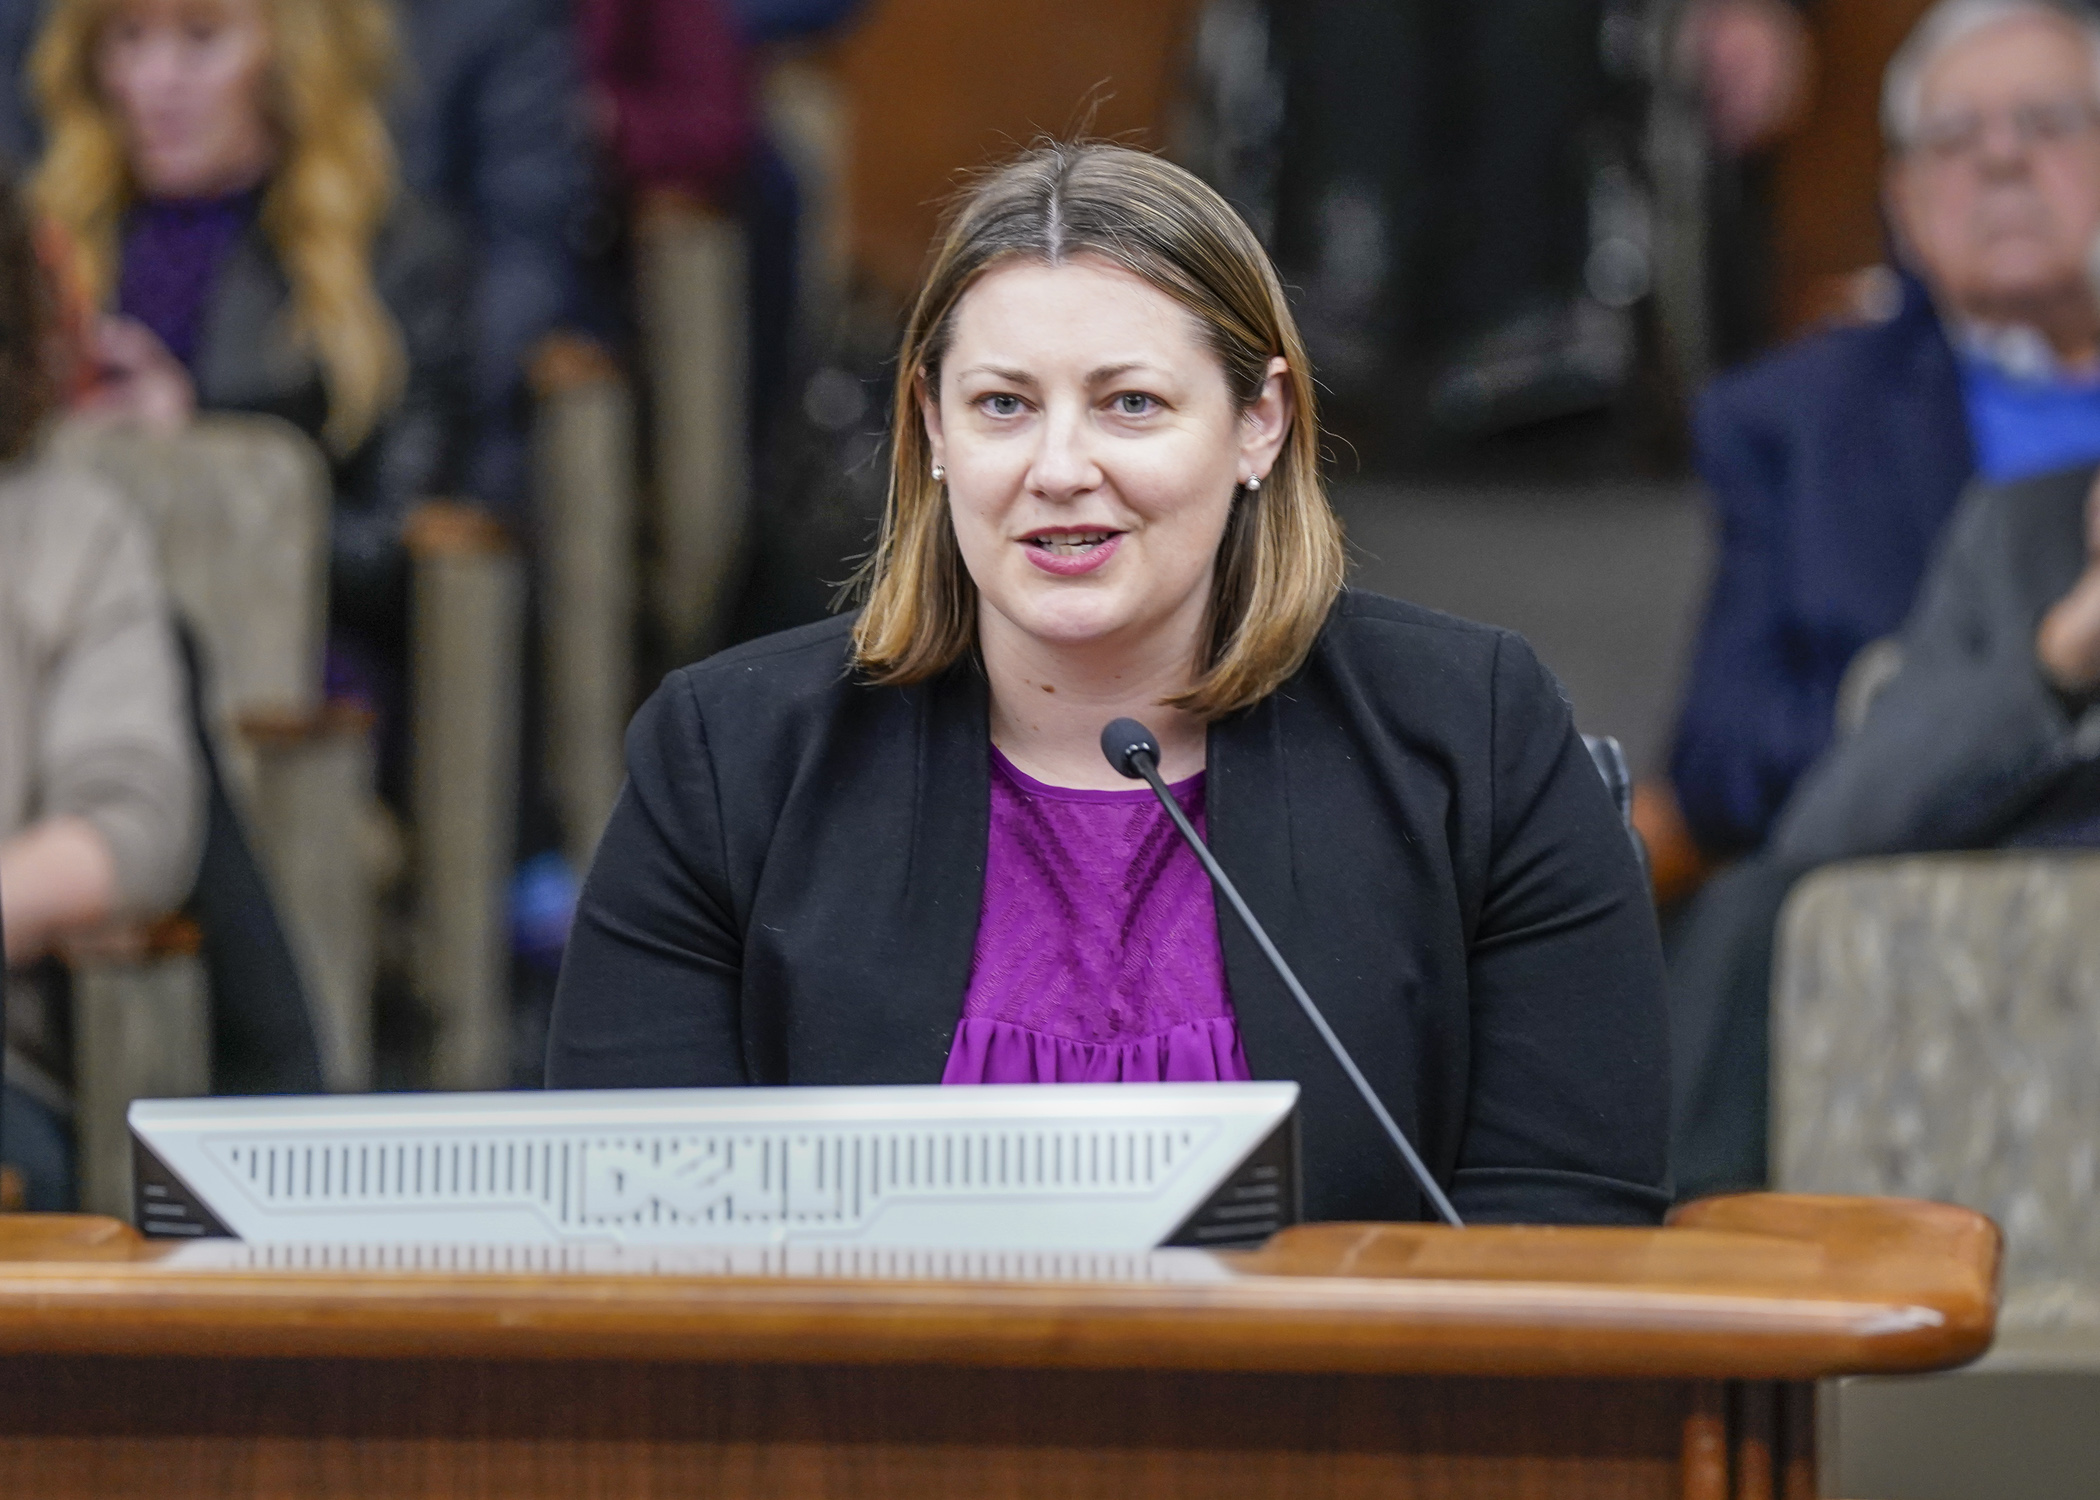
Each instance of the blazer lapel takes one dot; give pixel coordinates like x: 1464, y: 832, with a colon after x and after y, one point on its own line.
x: 1247, y: 808
x: 247, y: 358
x: 944, y: 882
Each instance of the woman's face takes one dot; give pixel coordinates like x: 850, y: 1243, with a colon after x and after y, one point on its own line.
x: 1092, y: 448
x: 186, y: 78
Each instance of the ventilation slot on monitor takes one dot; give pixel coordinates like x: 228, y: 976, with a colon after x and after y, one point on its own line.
x: 800, y: 1178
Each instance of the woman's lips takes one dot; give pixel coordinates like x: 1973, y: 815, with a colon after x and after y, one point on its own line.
x: 1069, y: 554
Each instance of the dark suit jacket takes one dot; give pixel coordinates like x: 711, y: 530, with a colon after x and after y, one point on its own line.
x: 788, y: 892
x: 1968, y: 746
x: 248, y: 360
x: 1833, y: 465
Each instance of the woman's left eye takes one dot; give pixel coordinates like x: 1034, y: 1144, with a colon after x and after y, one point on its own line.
x: 1134, y: 404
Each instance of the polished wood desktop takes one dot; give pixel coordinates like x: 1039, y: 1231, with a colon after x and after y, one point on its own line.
x: 1339, y: 1360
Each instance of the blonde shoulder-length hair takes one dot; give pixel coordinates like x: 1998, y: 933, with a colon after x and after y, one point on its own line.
x: 334, y: 183
x: 1280, y: 563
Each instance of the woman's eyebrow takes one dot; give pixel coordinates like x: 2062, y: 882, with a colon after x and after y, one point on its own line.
x: 1099, y: 375
x: 1007, y: 373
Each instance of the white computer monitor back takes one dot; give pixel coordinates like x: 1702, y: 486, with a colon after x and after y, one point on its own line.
x: 1095, y: 1167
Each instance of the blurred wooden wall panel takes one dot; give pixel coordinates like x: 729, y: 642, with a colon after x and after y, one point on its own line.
x: 1829, y: 171
x: 938, y: 86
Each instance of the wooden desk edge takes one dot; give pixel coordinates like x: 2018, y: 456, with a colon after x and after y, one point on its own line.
x: 89, y: 1286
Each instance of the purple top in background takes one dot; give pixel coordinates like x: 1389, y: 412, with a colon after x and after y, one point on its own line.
x: 173, y: 248
x: 1097, y: 950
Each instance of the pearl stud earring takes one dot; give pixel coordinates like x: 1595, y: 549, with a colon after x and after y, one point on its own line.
x: 1251, y: 484
x: 940, y: 474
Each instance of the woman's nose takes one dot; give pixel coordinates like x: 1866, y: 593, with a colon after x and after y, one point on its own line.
x: 153, y: 68
x: 1064, y: 461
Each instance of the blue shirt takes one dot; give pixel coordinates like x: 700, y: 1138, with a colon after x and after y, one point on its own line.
x: 2022, y: 426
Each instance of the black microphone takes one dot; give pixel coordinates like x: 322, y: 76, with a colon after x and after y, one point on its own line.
x: 1131, y: 749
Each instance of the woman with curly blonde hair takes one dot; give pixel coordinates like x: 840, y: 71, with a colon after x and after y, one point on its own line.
x: 223, y: 175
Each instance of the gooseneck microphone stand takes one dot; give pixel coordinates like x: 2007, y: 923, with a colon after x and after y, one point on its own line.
x: 1133, y: 751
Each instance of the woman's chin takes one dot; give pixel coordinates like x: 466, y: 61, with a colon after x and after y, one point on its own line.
x: 1074, y: 623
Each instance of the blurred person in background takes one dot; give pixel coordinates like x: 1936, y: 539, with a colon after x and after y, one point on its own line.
x: 670, y: 94
x: 1834, y: 463
x: 489, y: 122
x: 774, y: 206
x: 486, y: 116
x: 224, y: 178
x: 673, y: 90
x: 1987, y: 734
x: 101, y: 798
x: 1434, y: 196
x: 668, y: 97
x: 1750, y: 63
x: 672, y: 107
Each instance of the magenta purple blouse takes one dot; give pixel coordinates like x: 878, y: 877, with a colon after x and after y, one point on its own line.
x: 173, y: 249
x: 1097, y: 949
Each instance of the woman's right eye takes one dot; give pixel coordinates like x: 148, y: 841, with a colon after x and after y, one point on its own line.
x: 1001, y: 406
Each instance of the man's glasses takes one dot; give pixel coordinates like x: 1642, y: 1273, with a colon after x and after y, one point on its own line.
x: 2034, y: 126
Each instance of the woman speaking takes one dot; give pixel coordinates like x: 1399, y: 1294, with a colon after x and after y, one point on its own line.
x: 887, y: 848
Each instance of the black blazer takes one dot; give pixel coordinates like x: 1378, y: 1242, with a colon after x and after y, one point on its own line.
x: 788, y: 892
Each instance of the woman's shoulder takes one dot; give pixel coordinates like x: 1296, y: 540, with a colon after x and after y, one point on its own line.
x: 773, y: 683
x: 67, y: 536
x: 1408, y: 663
x: 1373, y: 630
x: 64, y: 504
x: 1353, y: 607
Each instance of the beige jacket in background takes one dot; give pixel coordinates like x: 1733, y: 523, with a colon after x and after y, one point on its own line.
x: 93, y: 717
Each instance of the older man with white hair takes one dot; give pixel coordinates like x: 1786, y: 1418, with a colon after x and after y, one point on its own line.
x: 1835, y: 465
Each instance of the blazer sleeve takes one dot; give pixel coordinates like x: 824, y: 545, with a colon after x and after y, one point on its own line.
x: 1965, y: 737
x: 1568, y: 1101
x: 1751, y: 722
x: 114, y: 740
x: 649, y: 995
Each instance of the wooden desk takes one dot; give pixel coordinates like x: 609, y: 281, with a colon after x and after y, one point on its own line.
x: 1341, y: 1360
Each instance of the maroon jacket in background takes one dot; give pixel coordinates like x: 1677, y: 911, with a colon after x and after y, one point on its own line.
x: 675, y: 74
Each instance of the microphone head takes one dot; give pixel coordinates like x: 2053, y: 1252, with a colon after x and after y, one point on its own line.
x: 1123, y: 741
